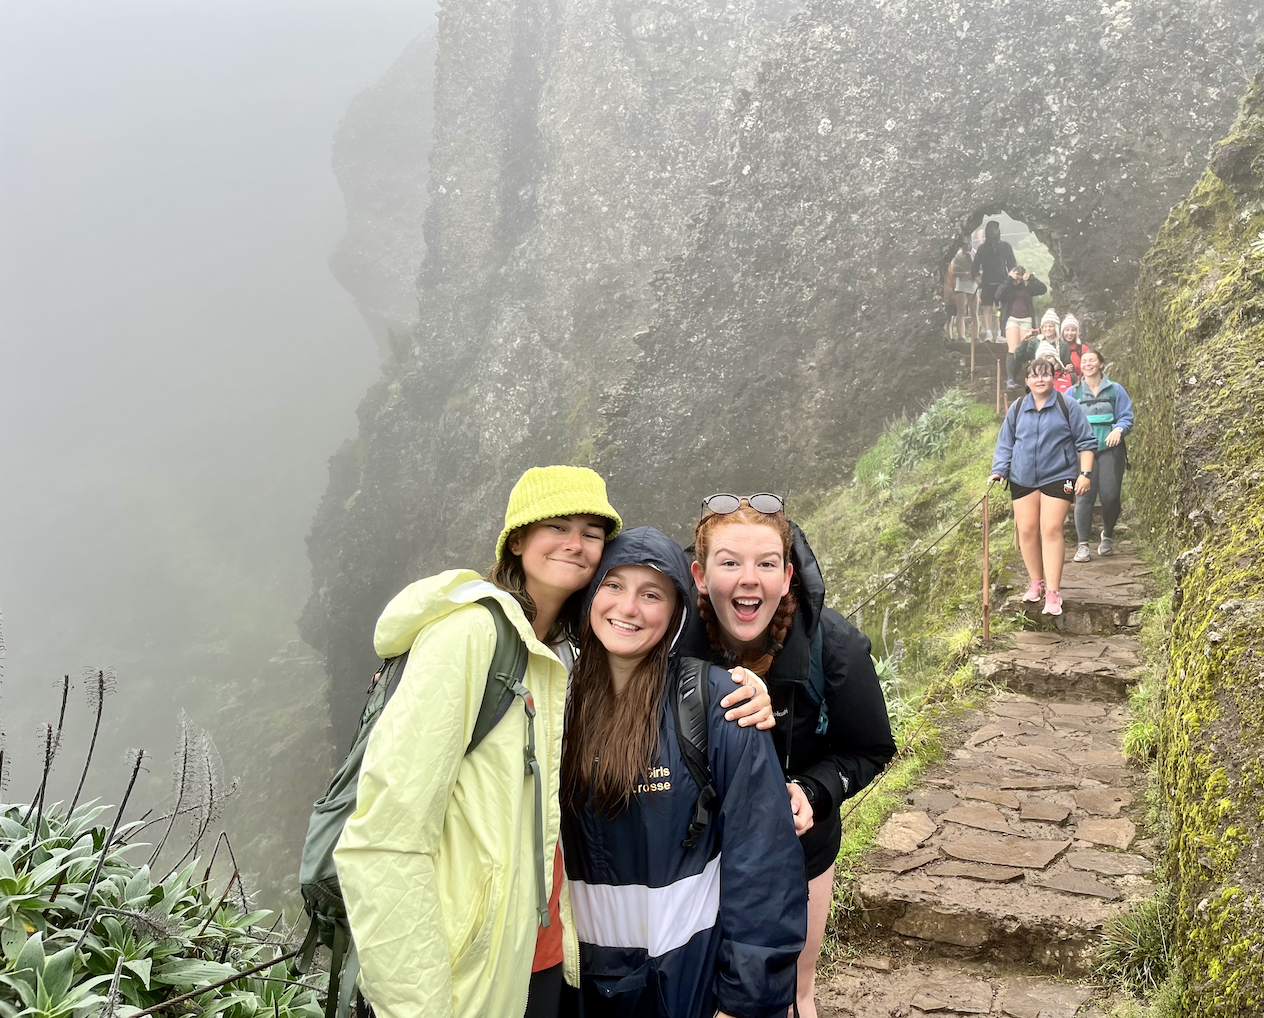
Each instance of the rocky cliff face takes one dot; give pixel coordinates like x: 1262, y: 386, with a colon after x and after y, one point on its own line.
x: 1197, y: 350
x: 696, y: 247
x: 381, y: 156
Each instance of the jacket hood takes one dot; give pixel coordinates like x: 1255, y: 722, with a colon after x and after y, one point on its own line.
x: 645, y: 546
x: 421, y: 603
x: 808, y: 581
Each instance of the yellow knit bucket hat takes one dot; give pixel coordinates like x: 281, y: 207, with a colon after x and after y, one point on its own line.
x: 544, y: 492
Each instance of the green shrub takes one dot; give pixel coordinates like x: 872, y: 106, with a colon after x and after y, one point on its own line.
x: 82, y: 930
x: 927, y: 437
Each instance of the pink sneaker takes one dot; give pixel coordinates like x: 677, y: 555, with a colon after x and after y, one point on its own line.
x: 1053, y: 603
x: 1036, y: 592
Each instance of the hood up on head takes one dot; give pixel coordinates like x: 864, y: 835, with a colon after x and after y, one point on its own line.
x: 645, y: 546
x: 808, y: 582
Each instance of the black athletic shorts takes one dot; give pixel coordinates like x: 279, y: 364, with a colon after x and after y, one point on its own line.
x: 1055, y: 490
x: 987, y: 293
x: 821, y: 844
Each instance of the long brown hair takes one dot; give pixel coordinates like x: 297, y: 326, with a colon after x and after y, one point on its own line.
x: 758, y: 660
x: 611, y: 739
x: 508, y: 574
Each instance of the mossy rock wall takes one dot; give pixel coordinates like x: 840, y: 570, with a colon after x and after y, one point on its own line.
x: 1196, y: 370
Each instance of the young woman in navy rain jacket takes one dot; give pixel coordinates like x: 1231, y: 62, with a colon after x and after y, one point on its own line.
x: 1045, y: 450
x: 761, y: 601
x: 666, y: 930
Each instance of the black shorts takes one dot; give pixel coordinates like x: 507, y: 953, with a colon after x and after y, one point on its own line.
x: 987, y: 293
x: 1055, y: 490
x: 821, y: 844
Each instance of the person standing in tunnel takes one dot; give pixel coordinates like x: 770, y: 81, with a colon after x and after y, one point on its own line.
x: 992, y: 264
x: 1045, y: 343
x: 1041, y: 439
x: 761, y: 604
x: 1109, y: 412
x: 965, y: 290
x: 1017, y: 299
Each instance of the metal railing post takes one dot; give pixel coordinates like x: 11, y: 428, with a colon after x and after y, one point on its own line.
x: 987, y: 578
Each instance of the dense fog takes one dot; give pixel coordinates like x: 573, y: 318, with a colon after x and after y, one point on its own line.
x: 177, y: 363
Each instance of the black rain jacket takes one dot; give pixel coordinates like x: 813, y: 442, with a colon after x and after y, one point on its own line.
x: 858, y: 742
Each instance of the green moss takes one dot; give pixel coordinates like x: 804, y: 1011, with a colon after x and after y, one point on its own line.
x: 1195, y: 368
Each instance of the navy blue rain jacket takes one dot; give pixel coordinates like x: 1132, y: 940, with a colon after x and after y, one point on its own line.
x: 669, y: 931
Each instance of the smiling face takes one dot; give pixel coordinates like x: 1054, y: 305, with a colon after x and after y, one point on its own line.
x: 560, y: 555
x: 631, y: 610
x: 1090, y: 364
x: 1049, y: 330
x: 746, y: 575
x: 1070, y: 332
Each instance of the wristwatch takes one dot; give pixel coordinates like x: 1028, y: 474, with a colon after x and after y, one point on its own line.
x: 808, y: 792
x: 1087, y: 473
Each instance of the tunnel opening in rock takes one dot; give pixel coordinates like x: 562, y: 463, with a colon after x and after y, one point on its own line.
x: 1030, y: 252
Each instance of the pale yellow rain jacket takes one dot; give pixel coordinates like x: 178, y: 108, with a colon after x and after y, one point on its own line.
x: 437, y: 864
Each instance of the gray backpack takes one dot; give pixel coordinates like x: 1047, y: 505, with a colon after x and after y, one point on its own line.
x: 318, y: 878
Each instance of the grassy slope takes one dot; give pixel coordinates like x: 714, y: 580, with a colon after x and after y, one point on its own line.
x: 911, y: 486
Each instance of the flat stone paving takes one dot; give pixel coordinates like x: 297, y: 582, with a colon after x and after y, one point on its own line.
x: 1012, y: 853
x: 876, y: 986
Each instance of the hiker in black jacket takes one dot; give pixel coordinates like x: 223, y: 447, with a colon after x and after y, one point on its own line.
x: 992, y: 263
x: 1017, y: 298
x: 761, y: 604
x: 685, y: 905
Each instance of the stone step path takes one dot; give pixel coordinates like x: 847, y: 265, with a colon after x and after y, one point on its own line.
x: 993, y: 883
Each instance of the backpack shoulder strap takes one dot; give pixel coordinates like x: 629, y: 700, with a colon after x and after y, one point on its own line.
x: 1013, y: 413
x: 505, y: 683
x: 509, y: 665
x: 816, y: 677
x: 1066, y: 410
x: 689, y: 706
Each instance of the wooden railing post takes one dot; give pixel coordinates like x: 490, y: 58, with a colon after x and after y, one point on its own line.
x: 972, y: 341
x: 987, y: 578
x: 998, y: 387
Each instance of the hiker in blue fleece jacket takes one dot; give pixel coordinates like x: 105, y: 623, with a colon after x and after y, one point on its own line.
x: 1045, y: 450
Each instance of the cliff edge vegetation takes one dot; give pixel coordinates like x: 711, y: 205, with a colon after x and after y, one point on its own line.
x: 1194, y: 356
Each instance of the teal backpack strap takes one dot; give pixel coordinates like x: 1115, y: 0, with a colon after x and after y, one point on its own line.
x: 816, y: 678
x: 504, y: 685
x: 509, y: 665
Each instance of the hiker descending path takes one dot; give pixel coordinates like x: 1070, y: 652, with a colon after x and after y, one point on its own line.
x: 987, y: 894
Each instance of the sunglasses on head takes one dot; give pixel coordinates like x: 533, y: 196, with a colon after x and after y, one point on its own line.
x: 764, y: 502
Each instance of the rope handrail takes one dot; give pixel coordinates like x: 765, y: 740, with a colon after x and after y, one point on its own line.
x: 922, y: 554
x: 912, y: 739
